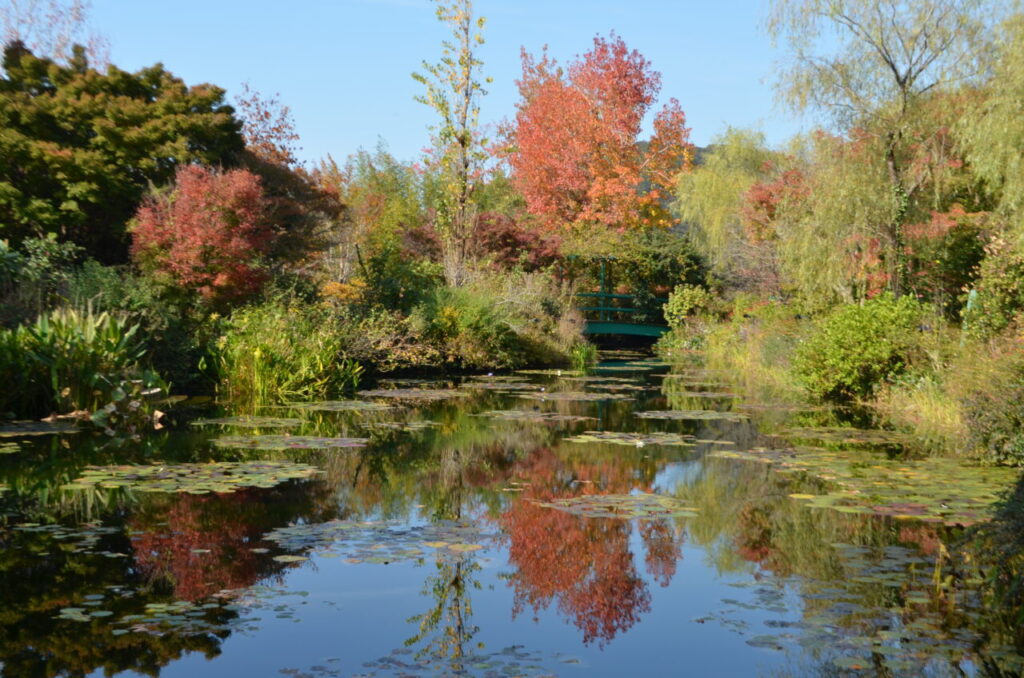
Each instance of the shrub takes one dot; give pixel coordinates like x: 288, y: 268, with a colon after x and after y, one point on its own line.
x: 468, y: 328
x: 858, y: 347
x: 684, y: 301
x: 209, y: 233
x: 998, y: 294
x: 282, y: 350
x: 993, y: 406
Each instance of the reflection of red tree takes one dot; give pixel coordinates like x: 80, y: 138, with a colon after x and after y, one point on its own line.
x: 177, y: 552
x: 584, y: 563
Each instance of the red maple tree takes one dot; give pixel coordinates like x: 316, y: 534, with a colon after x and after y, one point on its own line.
x: 573, y: 146
x: 208, y: 233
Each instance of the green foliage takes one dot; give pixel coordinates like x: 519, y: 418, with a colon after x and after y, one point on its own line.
x: 684, y: 301
x: 993, y: 412
x: 281, y: 350
x: 856, y: 348
x: 33, y: 279
x: 80, y: 147
x: 993, y: 131
x: 582, y: 356
x: 129, y: 413
x: 395, y: 281
x: 998, y: 295
x: 453, y: 89
x: 468, y: 328
x: 68, y: 360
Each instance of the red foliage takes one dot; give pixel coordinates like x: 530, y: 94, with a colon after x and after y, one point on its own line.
x: 574, y: 150
x: 209, y: 233
x: 268, y: 127
x: 202, y: 549
x: 585, y: 564
x: 762, y: 201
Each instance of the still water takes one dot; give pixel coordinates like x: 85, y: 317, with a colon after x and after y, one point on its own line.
x: 625, y: 522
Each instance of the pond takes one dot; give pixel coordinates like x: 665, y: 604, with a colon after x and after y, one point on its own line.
x: 629, y: 521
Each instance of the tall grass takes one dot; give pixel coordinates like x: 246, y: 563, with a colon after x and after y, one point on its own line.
x: 278, y: 352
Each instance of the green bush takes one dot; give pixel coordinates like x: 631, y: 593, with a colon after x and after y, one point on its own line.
x: 683, y: 302
x: 858, y: 347
x: 993, y: 408
x: 470, y: 329
x: 281, y: 350
x: 583, y: 355
x: 998, y: 295
x: 67, y: 360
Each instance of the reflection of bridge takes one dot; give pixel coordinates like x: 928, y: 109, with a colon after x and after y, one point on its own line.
x: 616, y: 313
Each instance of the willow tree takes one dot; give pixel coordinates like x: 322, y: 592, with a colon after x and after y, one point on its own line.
x: 871, y: 67
x: 993, y: 131
x: 453, y: 89
x: 709, y: 199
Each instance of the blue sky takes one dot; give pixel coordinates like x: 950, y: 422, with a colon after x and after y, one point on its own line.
x: 343, y: 66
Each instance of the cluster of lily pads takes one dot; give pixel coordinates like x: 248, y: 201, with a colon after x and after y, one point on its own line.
x: 286, y: 442
x: 9, y: 448
x: 84, y: 538
x: 645, y: 505
x: 414, y: 394
x: 224, y: 476
x: 931, y: 490
x: 849, y: 436
x: 403, y: 426
x: 378, y: 542
x: 693, y: 415
x: 341, y: 406
x: 247, y: 421
x: 574, y: 396
x: 634, y: 439
x: 532, y: 415
x: 20, y: 429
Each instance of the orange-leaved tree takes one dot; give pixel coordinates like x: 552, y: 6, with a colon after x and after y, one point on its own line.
x: 573, y: 146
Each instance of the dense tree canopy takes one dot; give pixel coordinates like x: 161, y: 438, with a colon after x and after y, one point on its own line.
x: 78, y: 148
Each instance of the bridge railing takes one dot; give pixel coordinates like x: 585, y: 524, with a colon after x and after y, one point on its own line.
x: 606, y: 307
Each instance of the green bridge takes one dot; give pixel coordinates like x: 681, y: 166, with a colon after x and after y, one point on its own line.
x: 608, y: 313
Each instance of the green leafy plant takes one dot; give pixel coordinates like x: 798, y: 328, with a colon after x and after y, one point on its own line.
x: 285, y: 351
x: 684, y: 302
x: 582, y: 356
x: 858, y: 347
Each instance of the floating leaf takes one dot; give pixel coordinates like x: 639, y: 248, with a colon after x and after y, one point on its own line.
x: 290, y: 559
x: 286, y: 442
x: 406, y: 426
x: 9, y: 448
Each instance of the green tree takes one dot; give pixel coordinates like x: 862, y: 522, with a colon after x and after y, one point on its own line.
x: 892, y: 58
x: 453, y: 90
x: 79, y: 148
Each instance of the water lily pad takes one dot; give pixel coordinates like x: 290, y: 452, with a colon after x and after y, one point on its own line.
x: 598, y: 379
x: 405, y: 426
x: 9, y: 448
x: 250, y: 421
x: 871, y: 483
x: 286, y: 442
x: 575, y: 396
x: 19, y: 429
x: 710, y: 395
x: 502, y: 386
x: 628, y: 367
x: 380, y: 542
x: 416, y: 394
x: 532, y: 415
x: 341, y: 406
x: 217, y: 477
x: 555, y: 372
x: 849, y: 436
x: 687, y: 415
x: 633, y: 439
x: 628, y: 506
